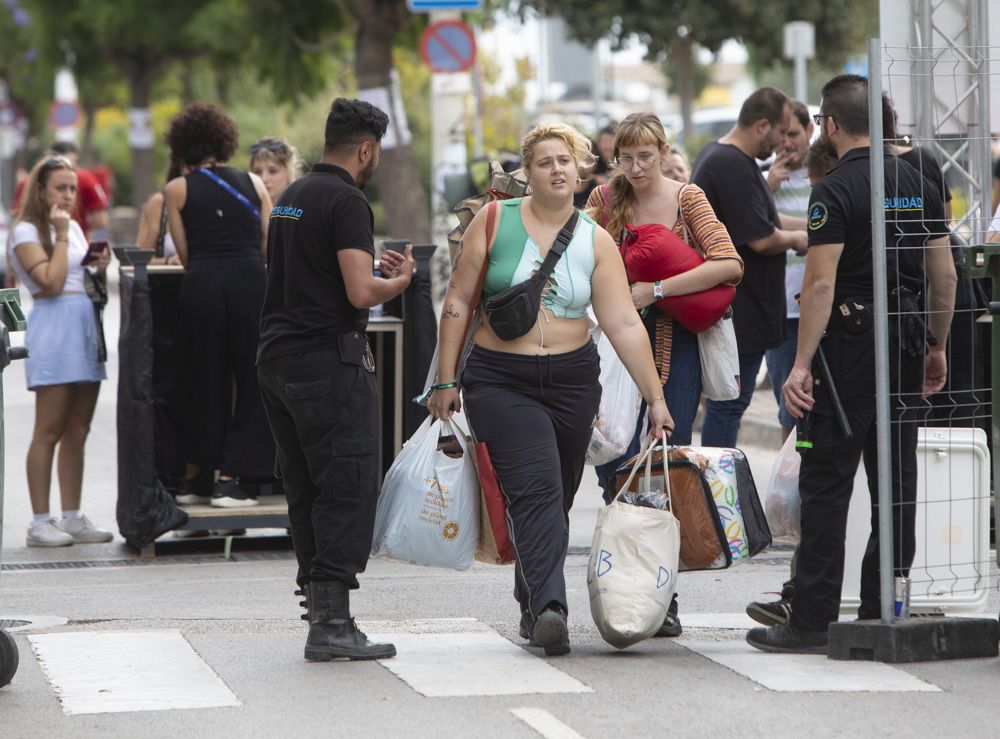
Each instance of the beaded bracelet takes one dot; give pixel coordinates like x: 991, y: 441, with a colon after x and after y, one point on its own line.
x: 444, y: 386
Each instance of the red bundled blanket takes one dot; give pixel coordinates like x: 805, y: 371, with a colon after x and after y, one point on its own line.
x: 653, y: 252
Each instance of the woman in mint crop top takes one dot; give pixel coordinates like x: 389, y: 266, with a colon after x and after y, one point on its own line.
x: 532, y: 400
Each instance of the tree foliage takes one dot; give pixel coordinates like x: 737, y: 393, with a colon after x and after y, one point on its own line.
x: 841, y: 27
x: 665, y: 25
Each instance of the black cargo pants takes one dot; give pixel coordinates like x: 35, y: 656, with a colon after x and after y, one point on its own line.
x: 826, y: 480
x: 323, y: 413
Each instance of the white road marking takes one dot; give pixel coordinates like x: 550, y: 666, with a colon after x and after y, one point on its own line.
x: 474, y: 662
x: 428, y: 626
x: 803, y: 673
x: 717, y: 621
x: 135, y: 671
x: 545, y: 723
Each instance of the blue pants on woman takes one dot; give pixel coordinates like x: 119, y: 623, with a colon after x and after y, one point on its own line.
x: 682, y: 392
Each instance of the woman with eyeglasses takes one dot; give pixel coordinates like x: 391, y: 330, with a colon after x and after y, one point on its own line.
x: 218, y: 220
x: 639, y: 194
x: 48, y: 250
x: 277, y: 164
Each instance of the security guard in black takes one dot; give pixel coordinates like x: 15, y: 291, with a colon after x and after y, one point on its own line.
x: 316, y: 371
x: 840, y: 213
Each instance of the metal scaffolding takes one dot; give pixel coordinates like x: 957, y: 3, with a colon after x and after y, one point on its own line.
x: 955, y: 34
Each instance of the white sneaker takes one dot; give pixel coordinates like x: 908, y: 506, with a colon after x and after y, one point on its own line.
x: 83, y: 531
x: 47, y: 534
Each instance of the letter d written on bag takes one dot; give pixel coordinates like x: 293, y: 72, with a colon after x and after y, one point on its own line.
x: 428, y: 510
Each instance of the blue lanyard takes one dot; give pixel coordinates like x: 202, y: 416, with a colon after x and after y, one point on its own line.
x: 231, y: 190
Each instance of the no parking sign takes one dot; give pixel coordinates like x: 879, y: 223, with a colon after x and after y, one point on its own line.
x: 448, y: 46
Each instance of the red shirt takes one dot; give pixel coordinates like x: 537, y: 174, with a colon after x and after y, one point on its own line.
x: 90, y: 197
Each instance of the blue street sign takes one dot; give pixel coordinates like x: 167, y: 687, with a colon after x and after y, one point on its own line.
x: 433, y: 6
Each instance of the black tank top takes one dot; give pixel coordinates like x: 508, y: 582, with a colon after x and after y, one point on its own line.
x: 216, y: 223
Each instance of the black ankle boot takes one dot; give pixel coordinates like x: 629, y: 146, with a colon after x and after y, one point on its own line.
x: 332, y: 632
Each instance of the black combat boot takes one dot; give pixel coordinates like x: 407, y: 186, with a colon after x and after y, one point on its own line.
x: 304, y: 592
x: 332, y: 632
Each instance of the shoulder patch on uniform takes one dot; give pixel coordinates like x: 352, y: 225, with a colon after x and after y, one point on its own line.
x: 818, y: 215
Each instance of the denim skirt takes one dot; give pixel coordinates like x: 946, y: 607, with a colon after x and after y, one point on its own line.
x: 62, y: 342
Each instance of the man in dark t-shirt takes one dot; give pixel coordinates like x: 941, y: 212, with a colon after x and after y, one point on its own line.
x: 728, y: 173
x: 317, y: 374
x: 837, y: 308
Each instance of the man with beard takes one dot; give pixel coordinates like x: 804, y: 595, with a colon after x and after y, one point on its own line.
x: 788, y: 179
x: 317, y: 374
x: 837, y: 309
x: 728, y: 173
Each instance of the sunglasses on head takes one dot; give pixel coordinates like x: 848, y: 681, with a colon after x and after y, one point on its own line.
x: 272, y: 145
x: 57, y: 161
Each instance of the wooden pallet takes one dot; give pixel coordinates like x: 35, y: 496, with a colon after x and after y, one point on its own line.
x: 271, y: 513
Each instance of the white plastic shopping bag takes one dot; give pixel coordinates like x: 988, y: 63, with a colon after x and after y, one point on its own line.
x: 782, y: 503
x: 720, y: 360
x: 428, y: 510
x: 618, y: 413
x: 632, y: 573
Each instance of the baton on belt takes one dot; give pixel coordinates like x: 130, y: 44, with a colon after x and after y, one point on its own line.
x: 824, y: 371
x: 838, y: 407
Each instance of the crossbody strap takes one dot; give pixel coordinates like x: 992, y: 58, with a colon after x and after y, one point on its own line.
x: 563, y: 238
x: 491, y: 219
x: 231, y: 190
x: 162, y: 235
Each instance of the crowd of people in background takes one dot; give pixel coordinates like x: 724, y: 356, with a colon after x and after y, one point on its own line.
x: 210, y: 220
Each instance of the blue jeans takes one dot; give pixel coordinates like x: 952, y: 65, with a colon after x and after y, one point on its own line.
x: 681, y: 393
x: 722, y: 417
x: 779, y: 364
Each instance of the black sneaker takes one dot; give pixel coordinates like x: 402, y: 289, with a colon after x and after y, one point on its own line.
x: 197, y: 490
x: 672, y: 623
x: 551, y: 631
x: 229, y: 494
x: 787, y: 640
x: 773, y: 613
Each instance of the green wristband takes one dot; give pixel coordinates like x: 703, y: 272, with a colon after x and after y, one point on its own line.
x: 444, y: 386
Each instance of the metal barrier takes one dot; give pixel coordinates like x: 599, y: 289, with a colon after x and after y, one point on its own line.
x: 948, y: 517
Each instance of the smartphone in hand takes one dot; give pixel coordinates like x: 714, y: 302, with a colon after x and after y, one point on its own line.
x: 94, y: 252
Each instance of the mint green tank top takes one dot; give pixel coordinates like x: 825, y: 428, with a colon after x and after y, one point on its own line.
x: 514, y: 257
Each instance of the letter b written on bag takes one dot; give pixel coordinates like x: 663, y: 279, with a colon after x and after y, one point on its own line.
x: 600, y: 564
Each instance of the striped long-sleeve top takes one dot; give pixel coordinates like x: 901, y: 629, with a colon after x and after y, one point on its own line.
x: 699, y: 227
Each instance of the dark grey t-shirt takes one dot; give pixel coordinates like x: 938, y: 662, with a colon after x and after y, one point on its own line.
x: 741, y: 200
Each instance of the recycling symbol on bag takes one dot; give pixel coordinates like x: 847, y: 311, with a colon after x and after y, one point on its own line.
x: 450, y: 530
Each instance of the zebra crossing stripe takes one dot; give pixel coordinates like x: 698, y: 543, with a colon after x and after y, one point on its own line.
x: 118, y: 672
x: 545, y: 723
x: 805, y: 673
x: 472, y: 661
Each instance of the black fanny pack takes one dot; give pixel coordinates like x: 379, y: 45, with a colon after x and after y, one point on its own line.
x: 514, y: 311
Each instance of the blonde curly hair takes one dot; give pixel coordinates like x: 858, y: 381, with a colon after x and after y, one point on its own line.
x: 576, y: 142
